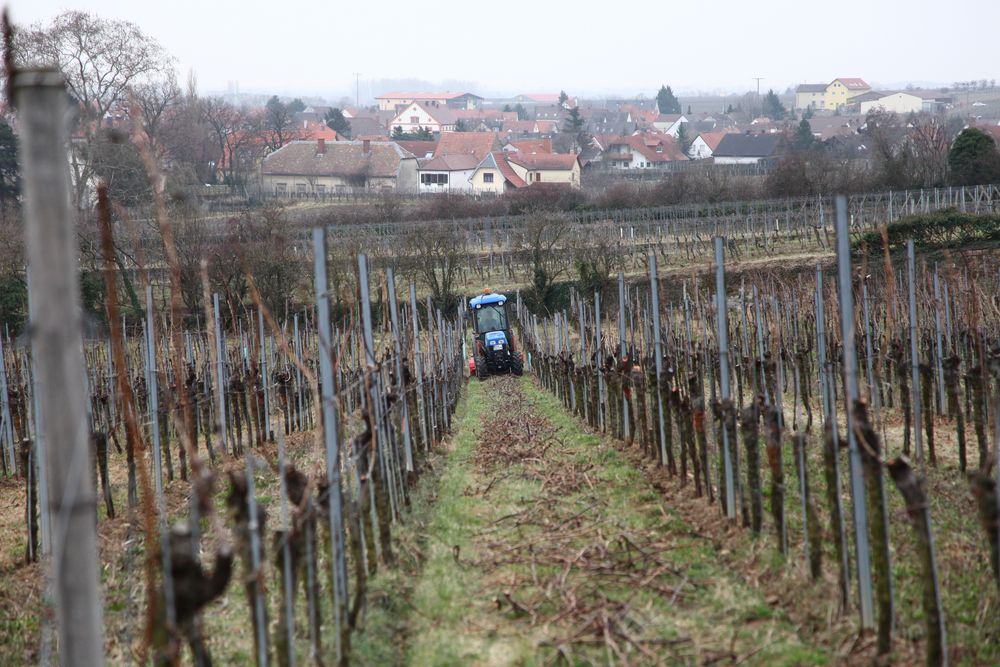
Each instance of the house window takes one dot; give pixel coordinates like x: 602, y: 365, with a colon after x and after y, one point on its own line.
x: 281, y: 189
x: 538, y: 177
x: 434, y: 179
x: 321, y: 190
x: 414, y: 120
x: 488, y: 177
x: 300, y: 188
x: 341, y: 189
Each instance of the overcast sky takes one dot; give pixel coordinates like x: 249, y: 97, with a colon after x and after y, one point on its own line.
x: 313, y: 48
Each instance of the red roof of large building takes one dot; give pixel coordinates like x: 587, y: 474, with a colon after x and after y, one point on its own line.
x: 853, y: 83
x: 543, y: 161
x: 466, y: 143
x: 530, y: 146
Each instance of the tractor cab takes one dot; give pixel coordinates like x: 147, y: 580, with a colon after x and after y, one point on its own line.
x: 493, y: 351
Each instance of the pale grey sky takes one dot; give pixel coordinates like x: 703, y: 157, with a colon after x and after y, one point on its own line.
x: 583, y: 47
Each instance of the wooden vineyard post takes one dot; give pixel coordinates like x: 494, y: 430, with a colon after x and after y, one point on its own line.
x: 911, y: 487
x: 59, y: 368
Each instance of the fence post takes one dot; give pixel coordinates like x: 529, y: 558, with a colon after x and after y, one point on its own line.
x: 58, y: 362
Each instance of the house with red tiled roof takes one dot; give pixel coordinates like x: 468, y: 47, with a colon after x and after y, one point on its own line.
x: 547, y: 168
x: 529, y: 128
x: 643, y: 151
x: 318, y: 168
x: 478, y: 144
x: 529, y: 146
x: 483, y: 120
x: 456, y: 156
x: 495, y: 176
x: 705, y: 144
x: 422, y: 149
x: 416, y: 116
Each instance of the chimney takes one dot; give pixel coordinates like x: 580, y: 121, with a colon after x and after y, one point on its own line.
x: 320, y: 146
x: 366, y: 146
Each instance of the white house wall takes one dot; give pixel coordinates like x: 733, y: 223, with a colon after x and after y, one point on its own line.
x: 458, y: 181
x: 699, y: 150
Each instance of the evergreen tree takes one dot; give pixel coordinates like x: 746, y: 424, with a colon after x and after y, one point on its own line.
x: 973, y: 158
x: 335, y: 121
x: 10, y: 174
x: 684, y: 138
x: 522, y: 113
x: 574, y: 123
x: 666, y: 102
x: 563, y: 97
x: 296, y: 106
x: 803, y: 139
x: 773, y: 108
x: 506, y: 108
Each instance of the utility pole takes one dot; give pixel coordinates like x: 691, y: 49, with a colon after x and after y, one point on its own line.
x: 758, y: 80
x: 57, y: 352
x: 357, y: 89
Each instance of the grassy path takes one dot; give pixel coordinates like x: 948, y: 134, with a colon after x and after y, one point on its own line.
x: 545, y: 541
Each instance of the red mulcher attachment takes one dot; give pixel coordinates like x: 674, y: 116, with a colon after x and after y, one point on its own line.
x: 472, y: 366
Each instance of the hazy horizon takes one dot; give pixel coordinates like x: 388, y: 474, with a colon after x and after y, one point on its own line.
x: 696, y: 52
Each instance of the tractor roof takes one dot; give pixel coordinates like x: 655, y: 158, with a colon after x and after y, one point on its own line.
x: 486, y: 299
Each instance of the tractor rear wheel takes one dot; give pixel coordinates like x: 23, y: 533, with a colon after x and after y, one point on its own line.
x: 482, y: 372
x: 516, y: 364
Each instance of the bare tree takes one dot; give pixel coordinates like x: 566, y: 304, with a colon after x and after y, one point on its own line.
x: 279, y: 126
x: 101, y: 60
x: 438, y: 252
x: 155, y: 101
x: 236, y: 137
x: 930, y: 140
x: 542, y: 241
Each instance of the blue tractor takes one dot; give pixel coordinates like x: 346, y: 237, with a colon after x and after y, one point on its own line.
x: 493, y: 352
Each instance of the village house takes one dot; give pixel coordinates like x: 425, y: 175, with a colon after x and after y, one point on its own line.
x: 642, y: 151
x: 546, y: 168
x: 415, y: 116
x: 748, y: 148
x: 393, y: 101
x: 456, y: 156
x: 494, y: 176
x: 810, y: 96
x: 669, y: 123
x: 320, y: 168
x: 834, y: 95
x: 704, y: 144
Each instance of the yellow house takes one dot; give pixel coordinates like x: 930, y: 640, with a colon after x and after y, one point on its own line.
x: 831, y: 96
x: 840, y: 91
x: 558, y: 168
x: 495, y: 176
